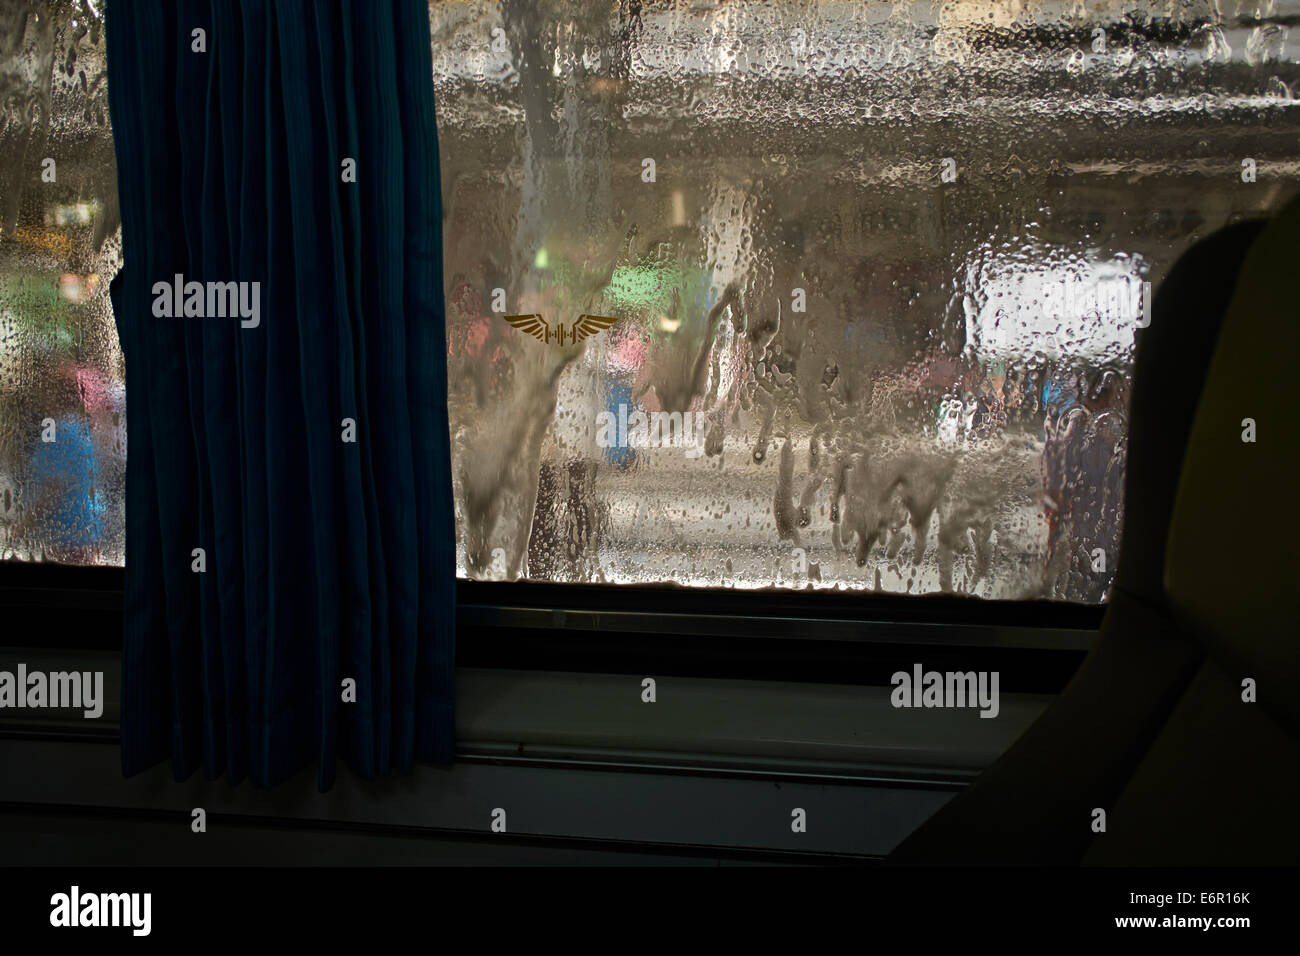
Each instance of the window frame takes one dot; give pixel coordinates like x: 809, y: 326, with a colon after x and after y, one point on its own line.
x: 815, y: 637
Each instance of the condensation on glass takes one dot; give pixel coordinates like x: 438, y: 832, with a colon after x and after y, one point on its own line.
x: 876, y: 270
x: 62, y: 405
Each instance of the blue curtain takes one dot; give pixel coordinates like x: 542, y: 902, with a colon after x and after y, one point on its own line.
x: 322, y: 560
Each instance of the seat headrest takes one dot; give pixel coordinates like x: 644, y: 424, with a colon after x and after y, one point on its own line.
x: 1172, y: 362
x: 1232, y: 561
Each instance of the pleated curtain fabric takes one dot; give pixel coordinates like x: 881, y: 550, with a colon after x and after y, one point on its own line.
x: 289, y: 507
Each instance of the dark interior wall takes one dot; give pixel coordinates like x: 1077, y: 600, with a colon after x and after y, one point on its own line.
x: 760, y: 710
x: 714, y: 770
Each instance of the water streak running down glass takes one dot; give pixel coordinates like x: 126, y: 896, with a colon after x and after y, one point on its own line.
x: 877, y: 270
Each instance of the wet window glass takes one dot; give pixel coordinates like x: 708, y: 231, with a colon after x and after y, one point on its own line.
x: 876, y: 270
x: 62, y: 404
x: 816, y: 294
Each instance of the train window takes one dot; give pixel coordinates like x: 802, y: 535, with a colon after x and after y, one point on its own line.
x: 62, y: 402
x: 789, y: 295
x: 884, y: 262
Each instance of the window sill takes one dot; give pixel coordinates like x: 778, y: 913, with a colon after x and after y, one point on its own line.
x: 696, y: 724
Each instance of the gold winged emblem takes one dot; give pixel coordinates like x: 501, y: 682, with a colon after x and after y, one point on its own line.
x: 585, y: 327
